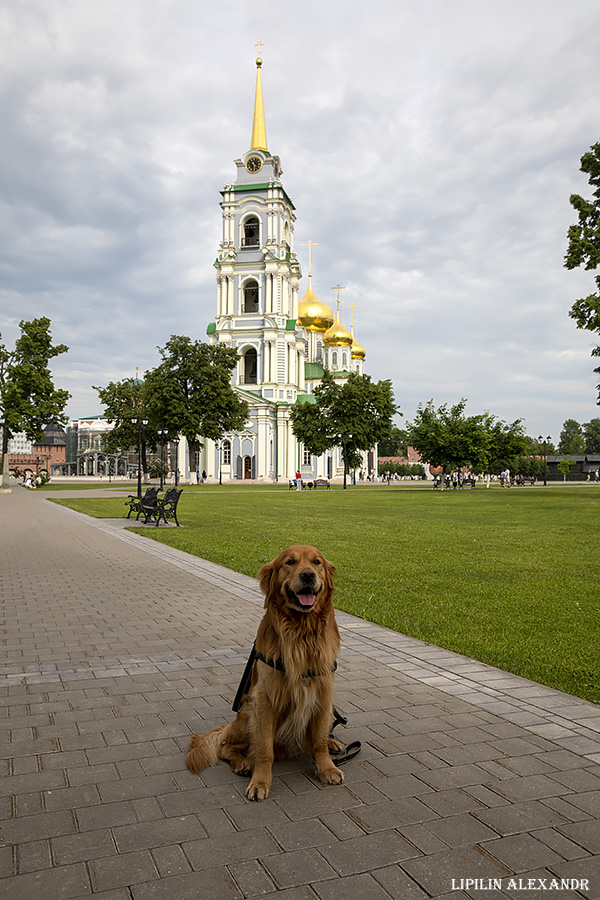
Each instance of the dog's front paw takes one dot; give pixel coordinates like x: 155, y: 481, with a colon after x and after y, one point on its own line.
x: 331, y: 776
x: 258, y: 790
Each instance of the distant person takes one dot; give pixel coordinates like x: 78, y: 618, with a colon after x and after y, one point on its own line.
x: 298, y: 481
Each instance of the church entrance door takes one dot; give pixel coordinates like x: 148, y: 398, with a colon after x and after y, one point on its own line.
x: 247, y: 467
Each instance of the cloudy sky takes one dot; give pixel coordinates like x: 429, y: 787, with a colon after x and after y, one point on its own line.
x: 430, y: 150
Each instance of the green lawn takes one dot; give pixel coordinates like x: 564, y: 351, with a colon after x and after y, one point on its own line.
x: 508, y: 577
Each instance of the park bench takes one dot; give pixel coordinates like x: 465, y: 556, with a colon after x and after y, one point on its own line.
x: 163, y: 508
x: 319, y: 482
x: 136, y: 504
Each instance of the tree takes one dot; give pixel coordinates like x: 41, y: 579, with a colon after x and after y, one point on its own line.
x: 396, y: 444
x: 584, y: 246
x: 591, y: 433
x: 504, y: 444
x: 123, y: 401
x: 354, y: 415
x: 190, y: 392
x: 448, y: 438
x: 571, y: 438
x: 28, y: 398
x: 564, y: 465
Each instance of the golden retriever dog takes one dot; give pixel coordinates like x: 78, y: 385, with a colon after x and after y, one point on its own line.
x: 288, y: 707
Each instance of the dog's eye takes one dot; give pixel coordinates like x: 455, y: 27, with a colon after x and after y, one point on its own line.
x: 317, y: 562
x: 290, y: 562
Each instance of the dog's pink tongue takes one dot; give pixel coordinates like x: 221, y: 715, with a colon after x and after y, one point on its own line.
x: 306, y: 599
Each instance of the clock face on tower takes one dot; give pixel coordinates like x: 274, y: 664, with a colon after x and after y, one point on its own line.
x: 254, y: 164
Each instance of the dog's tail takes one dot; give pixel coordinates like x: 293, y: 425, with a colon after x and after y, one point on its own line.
x: 204, y: 749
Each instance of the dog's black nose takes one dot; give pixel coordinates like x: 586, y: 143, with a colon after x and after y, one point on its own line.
x: 307, y: 574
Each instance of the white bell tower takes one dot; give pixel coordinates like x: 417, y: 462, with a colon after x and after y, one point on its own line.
x: 258, y: 273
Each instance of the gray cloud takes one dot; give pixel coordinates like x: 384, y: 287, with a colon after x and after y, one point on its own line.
x: 430, y: 150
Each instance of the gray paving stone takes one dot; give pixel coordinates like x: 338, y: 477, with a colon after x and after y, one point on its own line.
x: 521, y: 853
x: 218, y: 884
x: 230, y: 848
x: 456, y: 831
x: 517, y: 818
x: 158, y: 833
x: 368, y: 852
x: 398, y: 884
x: 435, y: 872
x: 170, y: 860
x: 300, y: 835
x: 83, y: 846
x: 298, y: 867
x: 354, y: 887
x: 64, y: 883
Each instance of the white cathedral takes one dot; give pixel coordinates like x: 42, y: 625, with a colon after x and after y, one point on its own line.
x: 284, y: 343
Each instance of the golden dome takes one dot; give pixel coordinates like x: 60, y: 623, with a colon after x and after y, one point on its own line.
x: 358, y: 351
x: 313, y: 314
x: 337, y: 335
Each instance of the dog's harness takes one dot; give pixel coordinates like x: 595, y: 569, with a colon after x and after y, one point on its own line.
x: 348, y: 752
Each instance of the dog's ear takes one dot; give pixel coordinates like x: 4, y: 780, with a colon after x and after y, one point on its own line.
x: 266, y: 577
x: 330, y: 571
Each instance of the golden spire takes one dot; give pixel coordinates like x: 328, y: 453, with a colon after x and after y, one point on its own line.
x: 337, y: 334
x: 313, y: 314
x: 358, y: 351
x: 259, y: 130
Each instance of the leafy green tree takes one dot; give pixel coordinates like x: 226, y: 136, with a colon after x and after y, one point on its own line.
x: 123, y: 401
x: 564, y: 466
x: 584, y: 245
x: 28, y: 398
x: 571, y: 438
x: 504, y: 444
x: 446, y: 437
x: 396, y: 444
x: 591, y: 433
x: 354, y: 415
x: 190, y: 391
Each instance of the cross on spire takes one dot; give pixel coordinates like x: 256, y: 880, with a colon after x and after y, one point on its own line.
x: 338, y: 288
x: 352, y: 307
x: 259, y: 44
x: 310, y: 245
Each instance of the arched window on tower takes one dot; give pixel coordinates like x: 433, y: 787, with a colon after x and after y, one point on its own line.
x: 251, y: 232
x: 226, y: 453
x: 344, y: 360
x: 334, y: 358
x: 319, y: 351
x: 286, y: 233
x: 250, y: 367
x: 251, y: 297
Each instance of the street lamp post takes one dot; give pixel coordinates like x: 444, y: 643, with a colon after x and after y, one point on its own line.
x: 162, y: 432
x: 139, y: 422
x: 176, y: 442
x: 545, y: 442
x: 345, y: 439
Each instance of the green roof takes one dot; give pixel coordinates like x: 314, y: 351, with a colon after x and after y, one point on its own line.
x: 306, y: 398
x: 212, y: 327
x: 313, y: 370
x: 290, y: 325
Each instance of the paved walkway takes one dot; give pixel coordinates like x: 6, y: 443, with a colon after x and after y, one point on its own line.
x: 470, y: 782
